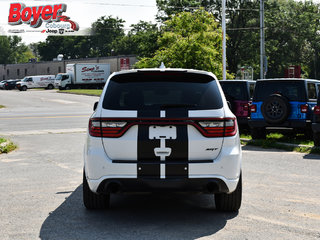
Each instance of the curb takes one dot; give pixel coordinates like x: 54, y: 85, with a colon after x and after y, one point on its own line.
x: 84, y: 94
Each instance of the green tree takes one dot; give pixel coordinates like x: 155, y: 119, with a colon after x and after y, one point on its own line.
x: 4, y: 50
x: 107, y: 31
x: 13, y: 50
x: 141, y: 40
x: 292, y: 32
x: 242, y: 26
x: 292, y: 36
x: 190, y: 40
x: 169, y: 8
x: 70, y: 46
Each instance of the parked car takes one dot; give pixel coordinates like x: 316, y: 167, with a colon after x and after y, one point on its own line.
x: 162, y: 130
x: 283, y: 104
x: 239, y: 94
x: 11, y: 84
x: 41, y: 81
x: 316, y: 123
x: 2, y: 84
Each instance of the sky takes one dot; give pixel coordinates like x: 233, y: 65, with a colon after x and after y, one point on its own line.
x: 83, y: 12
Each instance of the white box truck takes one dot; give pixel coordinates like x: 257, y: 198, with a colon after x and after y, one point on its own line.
x: 41, y: 81
x: 83, y: 75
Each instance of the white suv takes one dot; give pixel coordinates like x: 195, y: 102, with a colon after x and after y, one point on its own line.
x: 162, y: 129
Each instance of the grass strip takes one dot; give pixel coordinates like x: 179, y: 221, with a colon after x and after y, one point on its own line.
x: 6, y: 146
x: 294, y: 138
x: 271, y: 143
x: 299, y: 139
x: 1, y: 106
x: 88, y: 92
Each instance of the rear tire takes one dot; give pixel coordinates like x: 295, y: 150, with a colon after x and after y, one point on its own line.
x: 258, y: 133
x: 316, y: 139
x: 276, y: 109
x: 50, y: 86
x: 229, y: 202
x: 92, y: 200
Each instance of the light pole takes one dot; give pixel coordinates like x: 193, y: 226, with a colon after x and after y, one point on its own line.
x: 262, y: 46
x: 224, y: 61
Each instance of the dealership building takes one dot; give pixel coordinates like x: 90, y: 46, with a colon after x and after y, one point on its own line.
x: 21, y: 70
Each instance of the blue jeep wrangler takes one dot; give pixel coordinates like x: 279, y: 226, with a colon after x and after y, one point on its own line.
x: 283, y: 104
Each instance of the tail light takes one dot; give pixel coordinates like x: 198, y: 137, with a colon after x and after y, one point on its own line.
x: 114, y: 128
x: 219, y: 128
x: 253, y: 108
x: 104, y: 128
x: 304, y: 108
x: 244, y: 110
x: 316, y: 110
x: 245, y: 106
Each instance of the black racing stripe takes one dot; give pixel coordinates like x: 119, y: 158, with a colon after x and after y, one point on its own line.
x: 149, y: 113
x: 179, y: 154
x: 148, y: 164
x: 179, y: 147
x: 176, y: 113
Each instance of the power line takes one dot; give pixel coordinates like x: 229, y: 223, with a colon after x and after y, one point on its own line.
x: 172, y: 7
x: 122, y: 4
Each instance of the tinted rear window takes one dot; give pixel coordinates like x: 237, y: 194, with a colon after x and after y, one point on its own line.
x: 293, y: 90
x: 235, y: 90
x: 153, y: 90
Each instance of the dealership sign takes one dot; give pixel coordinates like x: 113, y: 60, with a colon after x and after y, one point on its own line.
x: 35, y: 16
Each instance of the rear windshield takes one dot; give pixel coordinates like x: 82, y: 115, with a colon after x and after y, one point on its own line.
x: 293, y: 90
x: 235, y: 90
x: 153, y: 90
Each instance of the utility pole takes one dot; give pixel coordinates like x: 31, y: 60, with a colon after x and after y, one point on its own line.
x: 262, y: 46
x: 224, y: 60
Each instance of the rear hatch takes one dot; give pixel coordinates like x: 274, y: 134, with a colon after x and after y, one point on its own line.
x: 237, y: 93
x: 293, y: 91
x: 172, y: 117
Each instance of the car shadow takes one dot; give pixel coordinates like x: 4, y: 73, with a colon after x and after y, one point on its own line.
x: 311, y: 157
x: 260, y: 149
x: 139, y: 216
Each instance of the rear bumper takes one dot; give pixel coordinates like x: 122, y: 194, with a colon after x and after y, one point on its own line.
x: 286, y: 124
x: 243, y: 120
x: 203, y: 185
x: 220, y: 175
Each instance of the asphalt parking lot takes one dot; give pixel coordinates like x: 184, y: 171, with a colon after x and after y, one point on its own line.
x: 41, y: 191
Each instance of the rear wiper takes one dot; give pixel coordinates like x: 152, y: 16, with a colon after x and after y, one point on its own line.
x: 178, y: 106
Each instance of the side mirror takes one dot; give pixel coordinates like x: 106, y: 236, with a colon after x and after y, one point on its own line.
x: 95, y: 106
